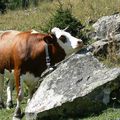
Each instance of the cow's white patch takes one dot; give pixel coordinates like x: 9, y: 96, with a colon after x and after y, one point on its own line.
x: 34, y: 31
x: 71, y: 45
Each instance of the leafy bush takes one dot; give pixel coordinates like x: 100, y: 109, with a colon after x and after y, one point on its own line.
x: 17, y: 4
x: 63, y: 18
x: 13, y: 4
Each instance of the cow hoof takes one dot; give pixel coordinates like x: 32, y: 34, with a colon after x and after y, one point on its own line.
x: 16, y: 118
x: 2, y: 105
x: 9, y: 105
x: 17, y: 113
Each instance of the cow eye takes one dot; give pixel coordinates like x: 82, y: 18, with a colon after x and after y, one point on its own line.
x: 63, y: 38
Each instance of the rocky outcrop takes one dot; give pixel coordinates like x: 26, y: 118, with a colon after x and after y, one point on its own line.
x: 80, y: 85
x: 106, y: 30
x: 106, y: 25
x: 100, y: 47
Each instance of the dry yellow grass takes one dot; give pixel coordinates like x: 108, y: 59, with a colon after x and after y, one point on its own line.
x: 34, y: 18
x: 93, y: 9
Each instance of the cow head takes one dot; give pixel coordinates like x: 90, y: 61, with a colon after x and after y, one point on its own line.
x: 69, y: 43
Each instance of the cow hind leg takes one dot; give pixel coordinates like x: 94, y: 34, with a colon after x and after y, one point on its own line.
x: 10, y: 87
x: 1, y: 91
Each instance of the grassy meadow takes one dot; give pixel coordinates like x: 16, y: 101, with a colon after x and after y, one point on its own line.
x: 36, y: 18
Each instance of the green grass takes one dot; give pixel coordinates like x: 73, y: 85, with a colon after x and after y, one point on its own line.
x: 109, y: 114
x: 8, y: 114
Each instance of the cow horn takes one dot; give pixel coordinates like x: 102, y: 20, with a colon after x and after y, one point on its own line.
x: 66, y: 28
x: 49, y: 30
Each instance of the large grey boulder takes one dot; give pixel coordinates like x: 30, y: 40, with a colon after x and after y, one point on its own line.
x: 81, y: 84
x: 106, y: 25
x: 106, y: 30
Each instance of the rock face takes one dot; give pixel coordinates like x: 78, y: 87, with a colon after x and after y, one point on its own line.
x: 106, y: 25
x: 78, y: 85
x: 106, y: 29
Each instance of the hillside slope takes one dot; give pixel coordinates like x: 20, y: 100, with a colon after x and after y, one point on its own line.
x: 34, y: 18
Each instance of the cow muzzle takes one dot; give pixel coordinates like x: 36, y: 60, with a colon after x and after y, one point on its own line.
x: 80, y: 44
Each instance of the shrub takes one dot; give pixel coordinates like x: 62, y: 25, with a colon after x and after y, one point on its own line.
x: 63, y: 18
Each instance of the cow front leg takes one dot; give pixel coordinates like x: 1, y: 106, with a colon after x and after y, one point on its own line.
x: 1, y: 90
x: 17, y: 113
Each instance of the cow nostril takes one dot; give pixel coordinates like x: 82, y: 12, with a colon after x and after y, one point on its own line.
x: 79, y: 42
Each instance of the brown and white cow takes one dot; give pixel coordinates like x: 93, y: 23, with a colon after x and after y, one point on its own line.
x: 24, y: 52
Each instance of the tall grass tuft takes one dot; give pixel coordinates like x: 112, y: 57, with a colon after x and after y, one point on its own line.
x: 112, y: 58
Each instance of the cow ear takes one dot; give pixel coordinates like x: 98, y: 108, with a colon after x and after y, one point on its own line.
x: 47, y: 39
x: 53, y: 37
x: 50, y: 39
x: 63, y: 38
